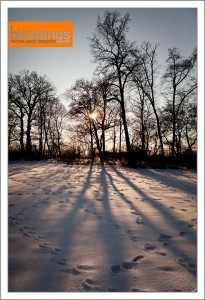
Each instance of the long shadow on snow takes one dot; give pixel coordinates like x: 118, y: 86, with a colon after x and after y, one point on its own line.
x: 168, y: 180
x: 114, y: 281
x: 170, y: 217
x: 45, y: 283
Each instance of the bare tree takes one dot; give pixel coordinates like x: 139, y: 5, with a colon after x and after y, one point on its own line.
x: 30, y: 88
x: 54, y: 122
x: 90, y: 105
x: 30, y: 97
x: 83, y: 102
x: 106, y: 110
x: 16, y: 107
x: 180, y: 84
x: 145, y: 78
x: 113, y: 53
x: 144, y: 122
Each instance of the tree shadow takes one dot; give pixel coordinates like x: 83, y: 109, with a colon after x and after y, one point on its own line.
x: 74, y: 223
x: 171, y: 218
x: 168, y: 180
x: 47, y: 280
x: 77, y: 225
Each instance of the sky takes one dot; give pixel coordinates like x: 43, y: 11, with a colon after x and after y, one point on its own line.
x: 170, y: 27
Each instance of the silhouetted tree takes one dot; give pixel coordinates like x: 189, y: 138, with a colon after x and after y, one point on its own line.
x: 180, y: 84
x: 32, y: 100
x: 83, y: 102
x: 113, y: 53
x: 145, y: 78
x: 30, y: 89
x: 16, y: 109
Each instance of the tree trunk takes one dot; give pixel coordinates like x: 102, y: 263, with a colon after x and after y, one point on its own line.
x: 40, y: 150
x: 114, y: 141
x: 98, y: 145
x: 127, y: 138
x: 159, y: 130
x: 91, y: 142
x: 28, y: 142
x: 120, y: 141
x: 188, y: 142
x: 103, y: 142
x: 21, y: 132
x: 173, y: 123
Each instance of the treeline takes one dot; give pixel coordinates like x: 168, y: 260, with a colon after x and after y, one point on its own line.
x: 130, y: 111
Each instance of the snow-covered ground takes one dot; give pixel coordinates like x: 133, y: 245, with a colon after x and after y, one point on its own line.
x: 84, y: 228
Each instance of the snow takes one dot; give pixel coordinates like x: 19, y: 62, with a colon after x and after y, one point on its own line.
x: 87, y: 228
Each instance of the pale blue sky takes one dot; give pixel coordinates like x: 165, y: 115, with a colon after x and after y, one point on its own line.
x: 170, y: 27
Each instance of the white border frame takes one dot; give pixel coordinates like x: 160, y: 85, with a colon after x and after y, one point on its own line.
x: 4, y: 153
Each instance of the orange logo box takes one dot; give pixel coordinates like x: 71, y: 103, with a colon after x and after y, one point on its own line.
x: 40, y: 34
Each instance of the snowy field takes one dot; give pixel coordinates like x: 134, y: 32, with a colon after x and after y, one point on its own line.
x: 91, y: 229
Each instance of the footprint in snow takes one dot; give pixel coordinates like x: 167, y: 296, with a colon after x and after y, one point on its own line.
x: 182, y: 233
x: 161, y: 253
x: 12, y: 222
x: 164, y: 237
x: 76, y: 271
x: 139, y: 221
x: 44, y: 202
x: 137, y: 258
x: 56, y: 250
x: 133, y: 238
x: 148, y: 247
x: 166, y: 268
x: 188, y: 264
x: 115, y: 268
x: 62, y: 261
x: 43, y: 245
x: 126, y: 265
x: 111, y: 289
x: 89, y: 284
x: 134, y: 212
x: 117, y: 226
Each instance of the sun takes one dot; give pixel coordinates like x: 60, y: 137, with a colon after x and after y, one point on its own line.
x: 93, y: 116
